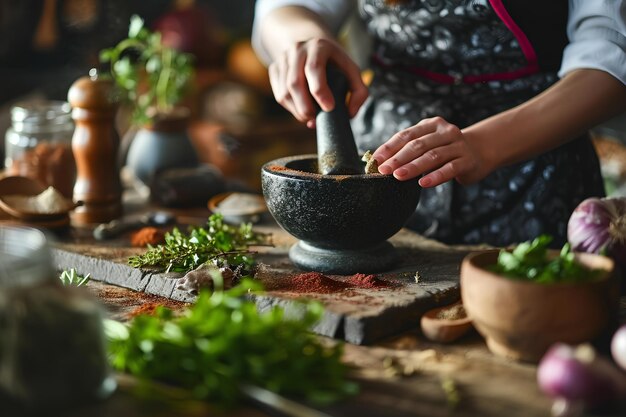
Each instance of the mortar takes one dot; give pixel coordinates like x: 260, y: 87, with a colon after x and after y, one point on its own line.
x: 342, y: 216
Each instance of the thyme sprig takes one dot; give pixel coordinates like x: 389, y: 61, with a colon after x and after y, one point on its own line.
x: 217, y: 242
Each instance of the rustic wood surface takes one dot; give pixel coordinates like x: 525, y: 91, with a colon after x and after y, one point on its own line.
x: 403, y: 375
x: 357, y: 315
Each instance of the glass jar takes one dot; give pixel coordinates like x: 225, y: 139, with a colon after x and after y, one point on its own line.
x: 52, y: 348
x: 38, y: 144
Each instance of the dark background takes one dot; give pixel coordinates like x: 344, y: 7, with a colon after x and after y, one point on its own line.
x: 80, y: 34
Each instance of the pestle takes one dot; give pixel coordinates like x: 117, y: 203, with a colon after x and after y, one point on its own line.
x: 336, y: 149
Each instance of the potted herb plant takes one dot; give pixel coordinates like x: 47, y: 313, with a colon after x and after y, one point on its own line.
x: 154, y: 80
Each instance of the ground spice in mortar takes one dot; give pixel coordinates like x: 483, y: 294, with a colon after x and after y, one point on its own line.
x: 147, y: 236
x: 455, y: 312
x: 367, y: 281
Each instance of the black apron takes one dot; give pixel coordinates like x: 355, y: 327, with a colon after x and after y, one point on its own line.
x: 465, y: 60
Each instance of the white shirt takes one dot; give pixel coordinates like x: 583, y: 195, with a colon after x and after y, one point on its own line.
x: 596, y: 30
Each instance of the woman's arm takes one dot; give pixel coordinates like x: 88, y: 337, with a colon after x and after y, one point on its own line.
x: 592, y: 89
x: 579, y: 101
x: 300, y: 45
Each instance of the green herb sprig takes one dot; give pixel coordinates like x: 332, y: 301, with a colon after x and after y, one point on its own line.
x: 530, y: 260
x: 217, y: 242
x: 71, y: 278
x: 223, y: 342
x: 152, y: 75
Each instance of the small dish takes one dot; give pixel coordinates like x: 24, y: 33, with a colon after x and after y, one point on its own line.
x: 444, y: 330
x: 239, y: 207
x: 521, y: 319
x: 24, y: 186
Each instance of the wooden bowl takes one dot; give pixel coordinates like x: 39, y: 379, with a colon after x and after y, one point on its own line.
x: 444, y: 330
x: 17, y: 185
x: 522, y: 319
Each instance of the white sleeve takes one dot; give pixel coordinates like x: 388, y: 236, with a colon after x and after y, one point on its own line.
x: 333, y: 12
x: 597, y: 35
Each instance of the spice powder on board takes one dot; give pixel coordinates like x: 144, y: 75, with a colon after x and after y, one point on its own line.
x: 316, y: 282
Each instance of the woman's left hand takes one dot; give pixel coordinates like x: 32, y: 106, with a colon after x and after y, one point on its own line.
x: 433, y: 147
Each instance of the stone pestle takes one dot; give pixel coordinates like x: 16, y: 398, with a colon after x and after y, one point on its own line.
x: 336, y: 149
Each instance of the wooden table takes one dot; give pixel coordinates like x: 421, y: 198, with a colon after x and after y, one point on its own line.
x: 400, y: 376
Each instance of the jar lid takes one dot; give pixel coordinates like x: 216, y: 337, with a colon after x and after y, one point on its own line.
x: 25, y: 257
x: 41, y: 116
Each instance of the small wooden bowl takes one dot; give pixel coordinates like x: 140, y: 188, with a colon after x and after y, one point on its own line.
x: 251, y: 213
x: 521, y: 319
x: 17, y: 185
x: 444, y: 330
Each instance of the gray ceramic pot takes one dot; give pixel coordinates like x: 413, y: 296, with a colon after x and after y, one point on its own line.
x: 162, y: 145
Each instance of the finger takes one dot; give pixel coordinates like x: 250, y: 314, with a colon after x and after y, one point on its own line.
x: 444, y: 174
x: 412, y: 150
x: 388, y: 149
x: 315, y: 71
x: 297, y: 84
x: 279, y: 89
x: 277, y: 74
x: 358, y: 90
x: 437, y: 163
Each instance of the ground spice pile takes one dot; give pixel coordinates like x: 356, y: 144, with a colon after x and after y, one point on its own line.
x: 367, y: 281
x: 315, y: 282
x: 147, y: 236
x: 455, y: 312
x: 148, y: 309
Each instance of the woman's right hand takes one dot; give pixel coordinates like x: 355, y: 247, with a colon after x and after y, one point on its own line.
x: 298, y: 78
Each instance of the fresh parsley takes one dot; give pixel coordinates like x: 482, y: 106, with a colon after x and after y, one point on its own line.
x: 217, y: 242
x: 532, y: 261
x: 223, y: 342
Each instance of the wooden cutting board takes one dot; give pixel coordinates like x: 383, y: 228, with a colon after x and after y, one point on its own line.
x: 356, y: 315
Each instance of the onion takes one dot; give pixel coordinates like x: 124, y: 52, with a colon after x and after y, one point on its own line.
x: 618, y: 346
x: 598, y: 225
x: 577, y: 376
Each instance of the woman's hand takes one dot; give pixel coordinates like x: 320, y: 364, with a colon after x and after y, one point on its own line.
x: 298, y: 78
x: 433, y: 147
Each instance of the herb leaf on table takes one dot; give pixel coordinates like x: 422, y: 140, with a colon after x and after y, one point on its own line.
x: 217, y: 242
x: 223, y: 342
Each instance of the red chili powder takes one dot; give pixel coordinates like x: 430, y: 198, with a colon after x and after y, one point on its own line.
x: 367, y: 281
x: 315, y: 282
x: 147, y: 309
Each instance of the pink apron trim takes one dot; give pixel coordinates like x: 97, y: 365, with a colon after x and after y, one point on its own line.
x: 522, y: 39
x: 466, y: 79
x: 525, y: 45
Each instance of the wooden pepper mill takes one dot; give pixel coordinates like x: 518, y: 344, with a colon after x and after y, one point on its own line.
x: 95, y: 145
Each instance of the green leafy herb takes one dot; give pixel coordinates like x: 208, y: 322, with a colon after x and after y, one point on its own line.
x: 530, y: 260
x: 153, y: 77
x: 223, y: 342
x: 71, y: 277
x: 217, y: 242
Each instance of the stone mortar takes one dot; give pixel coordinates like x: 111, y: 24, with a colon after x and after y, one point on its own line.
x: 343, y: 221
